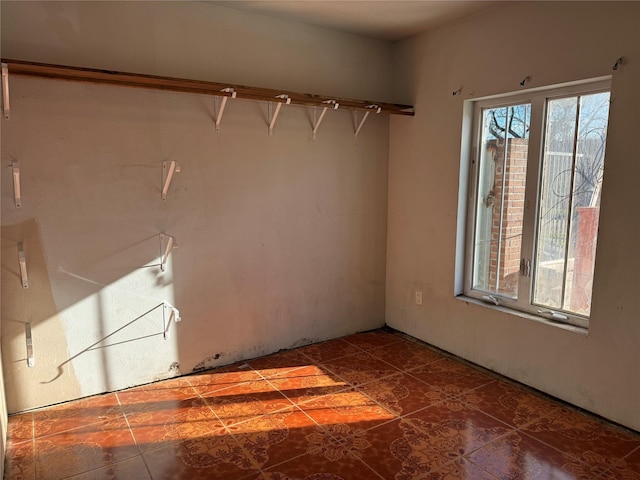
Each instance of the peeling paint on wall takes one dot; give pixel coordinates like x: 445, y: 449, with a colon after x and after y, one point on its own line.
x: 302, y: 342
x: 208, y: 363
x: 172, y: 371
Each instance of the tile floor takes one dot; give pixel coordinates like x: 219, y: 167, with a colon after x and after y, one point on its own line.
x: 370, y: 406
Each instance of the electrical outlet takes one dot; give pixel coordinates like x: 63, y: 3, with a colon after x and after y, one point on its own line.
x: 418, y: 295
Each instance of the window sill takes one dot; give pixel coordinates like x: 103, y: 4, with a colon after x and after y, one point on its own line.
x: 528, y: 316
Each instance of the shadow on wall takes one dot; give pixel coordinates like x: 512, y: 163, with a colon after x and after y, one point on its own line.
x: 101, y: 334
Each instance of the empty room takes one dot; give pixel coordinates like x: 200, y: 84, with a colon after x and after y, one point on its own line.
x: 320, y: 240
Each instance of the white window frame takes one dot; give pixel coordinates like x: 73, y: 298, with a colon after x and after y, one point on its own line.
x: 469, y: 183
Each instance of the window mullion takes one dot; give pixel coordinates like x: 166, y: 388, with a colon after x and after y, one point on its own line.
x: 536, y: 133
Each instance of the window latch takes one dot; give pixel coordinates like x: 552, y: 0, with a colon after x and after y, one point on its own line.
x: 553, y: 315
x: 491, y: 299
x: 525, y: 267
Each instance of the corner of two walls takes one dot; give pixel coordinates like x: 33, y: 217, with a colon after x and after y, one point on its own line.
x: 281, y: 239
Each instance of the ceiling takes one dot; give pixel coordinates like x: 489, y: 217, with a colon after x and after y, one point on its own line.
x: 388, y: 20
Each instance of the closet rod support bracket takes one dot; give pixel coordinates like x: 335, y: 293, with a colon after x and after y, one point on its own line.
x: 370, y: 108
x: 274, y: 117
x: 17, y: 194
x: 170, y: 314
x: 167, y: 244
x: 5, y: 91
x: 22, y: 262
x: 29, y: 340
x: 223, y: 104
x: 169, y: 168
x: 317, y: 123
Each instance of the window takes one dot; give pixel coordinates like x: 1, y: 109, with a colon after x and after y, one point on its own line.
x: 534, y: 197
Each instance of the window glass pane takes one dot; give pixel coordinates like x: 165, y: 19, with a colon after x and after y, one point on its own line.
x: 585, y: 208
x: 500, y: 199
x: 569, y: 203
x: 553, y: 220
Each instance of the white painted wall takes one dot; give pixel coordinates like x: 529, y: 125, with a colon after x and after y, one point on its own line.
x: 552, y: 42
x: 282, y: 239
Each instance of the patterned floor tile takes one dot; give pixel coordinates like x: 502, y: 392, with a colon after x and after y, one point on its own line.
x: 406, y: 355
x: 212, y: 458
x: 403, y: 394
x: 169, y: 383
x: 222, y: 378
x: 371, y: 340
x: 330, y: 350
x: 83, y: 449
x: 278, y: 437
x: 512, y: 404
x: 133, y: 468
x: 461, y: 469
x: 246, y: 401
x: 350, y: 406
x: 20, y: 427
x: 576, y: 433
x: 328, y: 459
x: 396, y: 451
x: 359, y: 368
x: 156, y: 396
x: 457, y: 430
x: 187, y: 420
x: 307, y: 383
x: 625, y: 469
x: 428, y: 440
x: 592, y: 466
x: 519, y: 456
x: 20, y: 461
x: 80, y: 413
x: 450, y: 372
x: 279, y: 363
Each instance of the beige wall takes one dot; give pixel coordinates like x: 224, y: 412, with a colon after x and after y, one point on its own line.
x: 197, y: 40
x: 552, y: 42
x: 3, y: 401
x: 282, y: 239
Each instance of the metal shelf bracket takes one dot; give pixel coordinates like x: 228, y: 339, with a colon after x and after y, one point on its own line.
x: 27, y: 333
x: 168, y: 169
x: 223, y: 104
x: 167, y: 243
x: 170, y: 314
x: 15, y: 168
x: 316, y: 124
x: 22, y: 261
x: 274, y: 117
x: 364, y: 117
x: 5, y: 90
